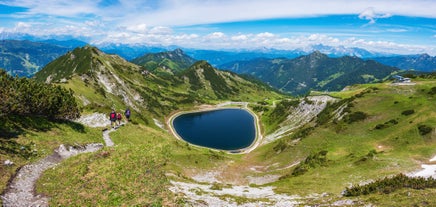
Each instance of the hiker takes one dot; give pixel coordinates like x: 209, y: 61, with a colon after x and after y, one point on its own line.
x: 113, y: 118
x: 127, y: 114
x: 119, y: 117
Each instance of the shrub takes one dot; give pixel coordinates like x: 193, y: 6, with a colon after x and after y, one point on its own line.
x: 280, y: 146
x: 386, y: 124
x: 312, y: 161
x: 355, y: 117
x: 388, y: 185
x: 381, y: 126
x: 424, y: 129
x: 23, y: 96
x: 302, y: 132
x: 371, y: 154
x: 329, y: 111
x: 432, y: 91
x: 408, y: 112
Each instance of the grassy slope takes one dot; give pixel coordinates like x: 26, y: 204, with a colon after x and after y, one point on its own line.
x: 132, y: 173
x: 38, y: 139
x: 399, y: 148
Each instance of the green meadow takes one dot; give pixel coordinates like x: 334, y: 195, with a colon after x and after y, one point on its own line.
x: 386, y: 139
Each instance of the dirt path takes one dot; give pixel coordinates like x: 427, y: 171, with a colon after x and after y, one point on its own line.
x: 21, y: 190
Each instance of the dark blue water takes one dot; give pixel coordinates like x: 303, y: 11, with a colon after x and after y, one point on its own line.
x: 224, y: 129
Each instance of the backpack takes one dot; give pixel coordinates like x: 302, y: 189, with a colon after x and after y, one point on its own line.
x: 127, y: 112
x: 112, y: 116
x: 119, y: 116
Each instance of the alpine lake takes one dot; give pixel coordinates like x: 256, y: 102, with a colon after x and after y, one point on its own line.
x: 230, y: 129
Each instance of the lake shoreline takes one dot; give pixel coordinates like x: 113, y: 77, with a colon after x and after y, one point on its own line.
x: 226, y: 105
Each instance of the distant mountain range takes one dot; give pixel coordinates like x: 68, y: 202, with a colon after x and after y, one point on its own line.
x: 25, y: 58
x: 422, y: 62
x: 315, y: 71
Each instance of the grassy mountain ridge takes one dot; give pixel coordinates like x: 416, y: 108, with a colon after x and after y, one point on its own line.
x: 165, y: 62
x: 110, y: 81
x: 210, y: 82
x: 312, y: 72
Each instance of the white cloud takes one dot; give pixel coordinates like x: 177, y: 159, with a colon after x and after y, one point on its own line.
x: 371, y: 15
x: 137, y: 21
x: 161, y: 30
x: 22, y: 26
x: 216, y: 35
x: 239, y: 37
x: 265, y: 35
x: 192, y: 12
x: 94, y: 23
x: 139, y: 28
x: 397, y: 30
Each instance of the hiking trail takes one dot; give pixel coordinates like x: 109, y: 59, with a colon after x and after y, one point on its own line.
x: 21, y: 189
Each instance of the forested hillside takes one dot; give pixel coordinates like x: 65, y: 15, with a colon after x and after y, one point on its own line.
x: 316, y: 71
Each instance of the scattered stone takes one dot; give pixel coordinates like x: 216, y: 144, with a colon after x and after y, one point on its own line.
x: 8, y: 163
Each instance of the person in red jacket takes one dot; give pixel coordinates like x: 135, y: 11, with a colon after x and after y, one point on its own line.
x: 113, y: 118
x: 119, y: 117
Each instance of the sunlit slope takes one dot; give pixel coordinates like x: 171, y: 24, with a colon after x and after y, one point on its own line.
x: 375, y: 130
x: 103, y: 81
x: 165, y: 63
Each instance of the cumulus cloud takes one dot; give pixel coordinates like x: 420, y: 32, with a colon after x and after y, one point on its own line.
x: 216, y: 35
x: 239, y: 37
x: 22, y: 26
x: 140, y: 28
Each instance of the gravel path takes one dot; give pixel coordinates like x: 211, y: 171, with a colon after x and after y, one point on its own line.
x: 107, y: 140
x: 21, y: 190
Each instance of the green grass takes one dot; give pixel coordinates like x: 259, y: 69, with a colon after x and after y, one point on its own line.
x: 131, y: 173
x: 398, y: 147
x: 135, y: 171
x: 32, y: 138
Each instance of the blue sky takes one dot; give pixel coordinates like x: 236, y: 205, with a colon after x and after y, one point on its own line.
x: 392, y: 26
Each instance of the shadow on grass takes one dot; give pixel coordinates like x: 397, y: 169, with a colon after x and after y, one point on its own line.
x: 12, y: 126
